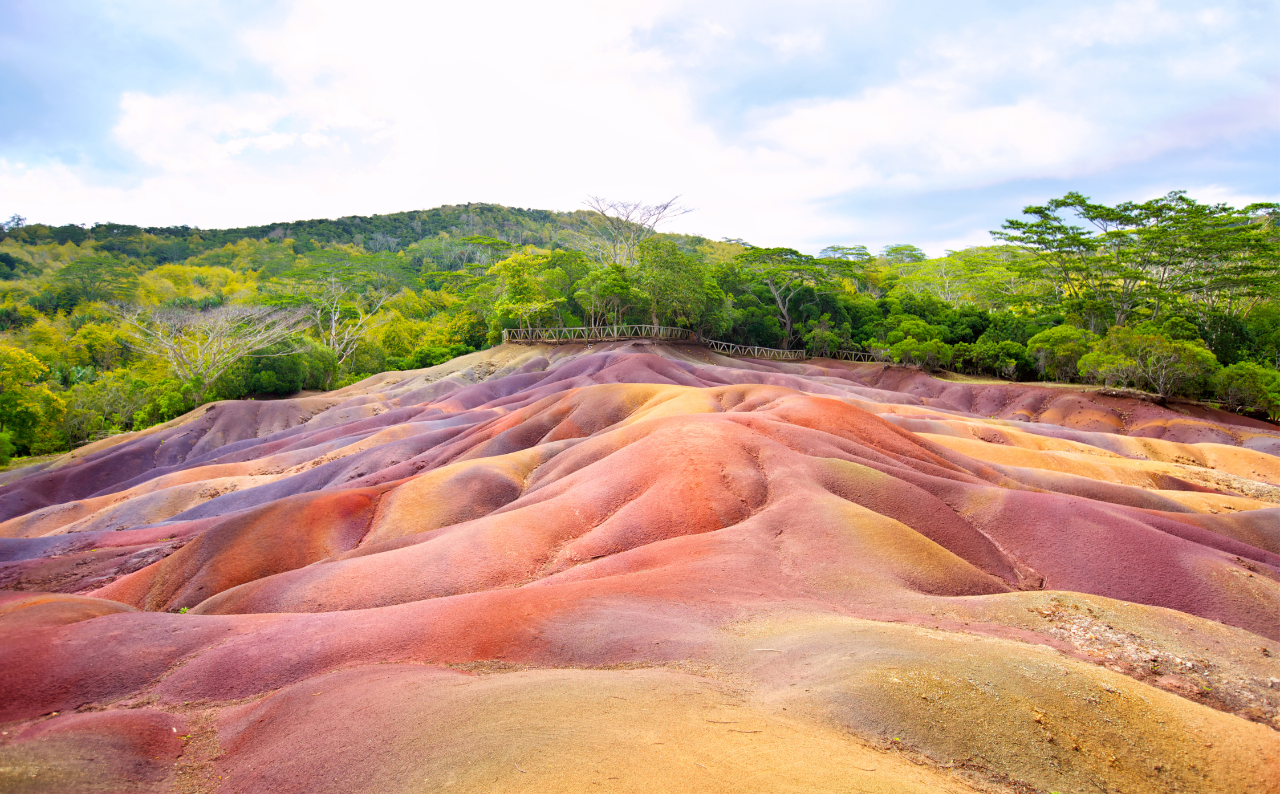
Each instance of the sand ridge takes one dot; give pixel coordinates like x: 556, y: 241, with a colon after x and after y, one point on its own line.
x: 642, y: 567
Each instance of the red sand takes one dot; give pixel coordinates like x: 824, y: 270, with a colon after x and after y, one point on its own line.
x: 648, y: 522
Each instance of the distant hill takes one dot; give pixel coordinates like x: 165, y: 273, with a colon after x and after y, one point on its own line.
x: 518, y: 225
x: 174, y: 244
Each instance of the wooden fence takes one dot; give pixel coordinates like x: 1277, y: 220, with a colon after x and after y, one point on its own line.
x: 598, y: 333
x: 751, y: 351
x: 855, y: 355
x: 614, y: 333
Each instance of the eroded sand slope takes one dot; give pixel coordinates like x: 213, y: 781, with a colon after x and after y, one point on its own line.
x: 637, y: 568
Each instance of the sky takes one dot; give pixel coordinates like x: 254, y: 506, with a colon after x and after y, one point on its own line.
x: 803, y: 124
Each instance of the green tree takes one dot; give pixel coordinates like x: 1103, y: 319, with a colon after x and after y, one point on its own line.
x: 558, y: 275
x: 988, y: 277
x: 786, y: 273
x: 27, y: 407
x: 1149, y: 361
x: 520, y: 295
x: 1003, y: 358
x: 99, y: 278
x: 824, y: 337
x: 605, y: 292
x: 926, y: 355
x: 491, y: 248
x: 432, y: 355
x: 341, y: 292
x: 1147, y: 255
x: 857, y: 253
x: 280, y: 369
x: 1246, y: 385
x: 671, y: 279
x: 1263, y: 327
x: 99, y: 345
x: 1057, y: 351
x: 902, y: 254
x: 199, y: 346
x: 105, y: 406
x: 14, y: 267
x: 398, y: 335
x: 1070, y: 258
x: 1175, y: 328
x: 909, y: 326
x: 1111, y: 368
x: 7, y: 448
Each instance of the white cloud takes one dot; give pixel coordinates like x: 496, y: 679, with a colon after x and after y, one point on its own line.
x: 914, y: 137
x: 405, y: 106
x: 796, y: 43
x: 530, y: 111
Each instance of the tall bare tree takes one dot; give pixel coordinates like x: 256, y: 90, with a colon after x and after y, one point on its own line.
x: 341, y: 293
x: 199, y: 345
x: 611, y: 232
x: 380, y: 242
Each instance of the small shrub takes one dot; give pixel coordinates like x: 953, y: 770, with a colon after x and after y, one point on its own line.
x: 1005, y: 359
x: 1057, y: 351
x: 1245, y: 385
x: 6, y: 448
x: 1151, y: 361
x: 926, y: 355
x: 429, y: 356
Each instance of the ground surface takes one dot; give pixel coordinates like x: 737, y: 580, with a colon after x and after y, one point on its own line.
x: 638, y: 568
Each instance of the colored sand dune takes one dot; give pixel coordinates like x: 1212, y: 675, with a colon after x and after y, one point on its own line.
x: 639, y: 568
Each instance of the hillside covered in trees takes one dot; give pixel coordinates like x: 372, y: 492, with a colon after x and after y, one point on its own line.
x: 117, y: 327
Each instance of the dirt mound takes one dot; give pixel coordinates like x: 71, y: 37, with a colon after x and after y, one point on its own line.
x: 650, y: 568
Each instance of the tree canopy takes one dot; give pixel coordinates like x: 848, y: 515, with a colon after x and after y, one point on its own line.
x: 1166, y: 295
x: 1143, y: 257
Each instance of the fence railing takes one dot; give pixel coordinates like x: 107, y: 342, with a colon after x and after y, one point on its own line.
x: 613, y: 333
x: 598, y: 333
x: 855, y: 355
x: 752, y: 351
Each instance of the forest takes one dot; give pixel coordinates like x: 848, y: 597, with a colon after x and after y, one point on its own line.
x: 115, y: 327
